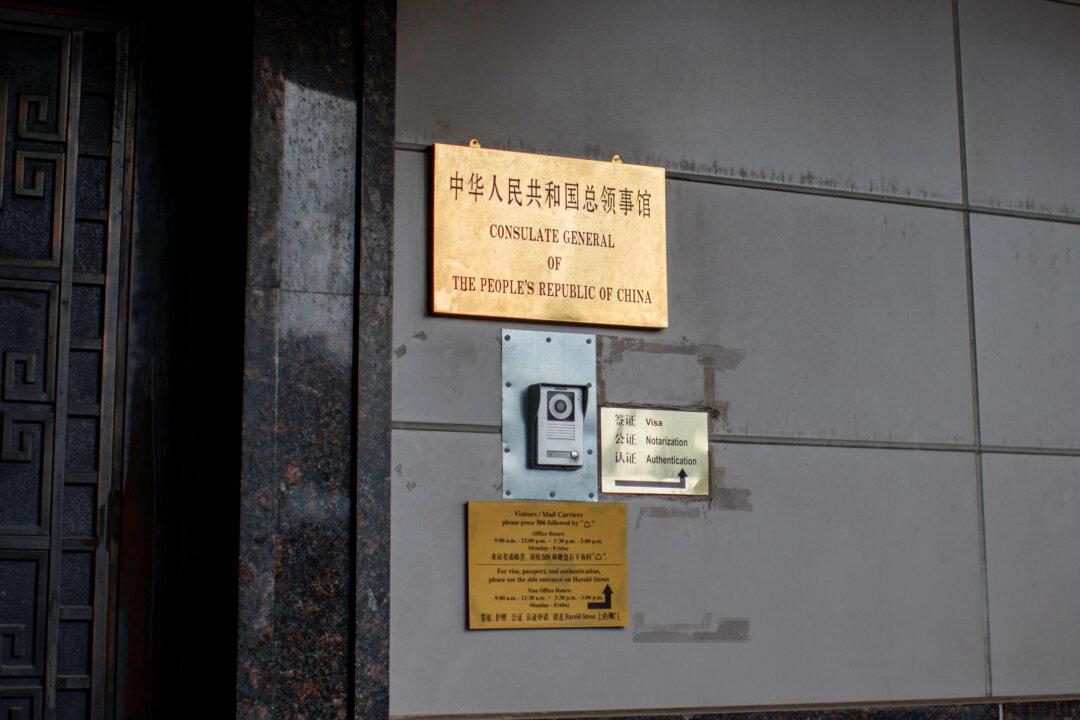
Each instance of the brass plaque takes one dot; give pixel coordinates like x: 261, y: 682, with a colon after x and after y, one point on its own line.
x: 536, y: 237
x: 656, y: 452
x: 547, y: 565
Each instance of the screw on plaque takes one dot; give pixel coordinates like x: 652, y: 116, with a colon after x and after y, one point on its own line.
x: 474, y: 143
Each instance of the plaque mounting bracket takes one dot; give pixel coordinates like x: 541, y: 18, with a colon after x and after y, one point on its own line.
x: 531, y: 357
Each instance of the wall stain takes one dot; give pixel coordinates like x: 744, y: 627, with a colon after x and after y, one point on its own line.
x: 727, y: 629
x: 668, y: 511
x: 611, y: 349
x: 400, y: 350
x: 724, y: 497
x: 731, y: 499
x: 686, y: 507
x: 409, y: 484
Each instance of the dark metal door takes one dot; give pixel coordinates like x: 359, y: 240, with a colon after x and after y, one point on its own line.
x: 62, y: 150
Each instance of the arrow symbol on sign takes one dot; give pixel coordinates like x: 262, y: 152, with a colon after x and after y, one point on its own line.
x: 666, y: 483
x: 606, y: 605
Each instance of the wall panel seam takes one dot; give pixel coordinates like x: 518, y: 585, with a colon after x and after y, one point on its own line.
x: 682, y: 176
x: 973, y: 349
x: 719, y: 438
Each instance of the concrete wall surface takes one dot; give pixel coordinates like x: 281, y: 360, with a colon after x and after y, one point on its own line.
x: 874, y: 233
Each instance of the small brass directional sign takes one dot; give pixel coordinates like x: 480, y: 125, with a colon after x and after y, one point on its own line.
x: 536, y: 237
x: 651, y: 451
x: 547, y: 565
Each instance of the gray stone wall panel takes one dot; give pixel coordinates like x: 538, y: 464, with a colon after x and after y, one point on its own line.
x: 850, y: 95
x: 791, y: 316
x: 844, y: 576
x: 1031, y: 535
x: 1021, y: 62
x: 1027, y: 314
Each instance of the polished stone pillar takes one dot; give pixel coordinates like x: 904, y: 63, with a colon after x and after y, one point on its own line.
x: 298, y: 487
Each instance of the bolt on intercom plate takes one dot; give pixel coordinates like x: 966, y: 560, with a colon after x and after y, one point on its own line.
x: 549, y: 415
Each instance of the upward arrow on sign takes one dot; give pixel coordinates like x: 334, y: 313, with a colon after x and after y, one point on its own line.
x: 606, y: 604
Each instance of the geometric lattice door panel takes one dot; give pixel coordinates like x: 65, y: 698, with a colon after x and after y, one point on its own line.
x: 62, y: 115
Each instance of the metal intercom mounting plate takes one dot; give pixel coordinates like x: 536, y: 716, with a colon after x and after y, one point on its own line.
x: 530, y: 357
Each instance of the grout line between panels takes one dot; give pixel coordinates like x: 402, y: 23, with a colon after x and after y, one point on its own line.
x: 682, y: 176
x: 718, y: 438
x: 838, y: 443
x: 446, y: 427
x: 973, y: 349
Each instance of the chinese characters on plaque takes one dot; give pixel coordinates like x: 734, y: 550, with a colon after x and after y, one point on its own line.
x: 653, y: 451
x: 536, y: 237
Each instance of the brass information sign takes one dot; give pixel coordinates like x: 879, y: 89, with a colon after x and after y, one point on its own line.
x: 547, y: 565
x: 537, y: 237
x: 657, y: 452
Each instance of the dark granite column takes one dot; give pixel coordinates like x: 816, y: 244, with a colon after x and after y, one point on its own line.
x: 373, y: 351
x: 296, y: 527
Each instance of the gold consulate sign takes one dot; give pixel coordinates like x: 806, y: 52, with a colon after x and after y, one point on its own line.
x: 536, y: 237
x: 547, y: 565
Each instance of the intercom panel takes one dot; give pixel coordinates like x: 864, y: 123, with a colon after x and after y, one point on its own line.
x: 557, y: 425
x: 549, y: 415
